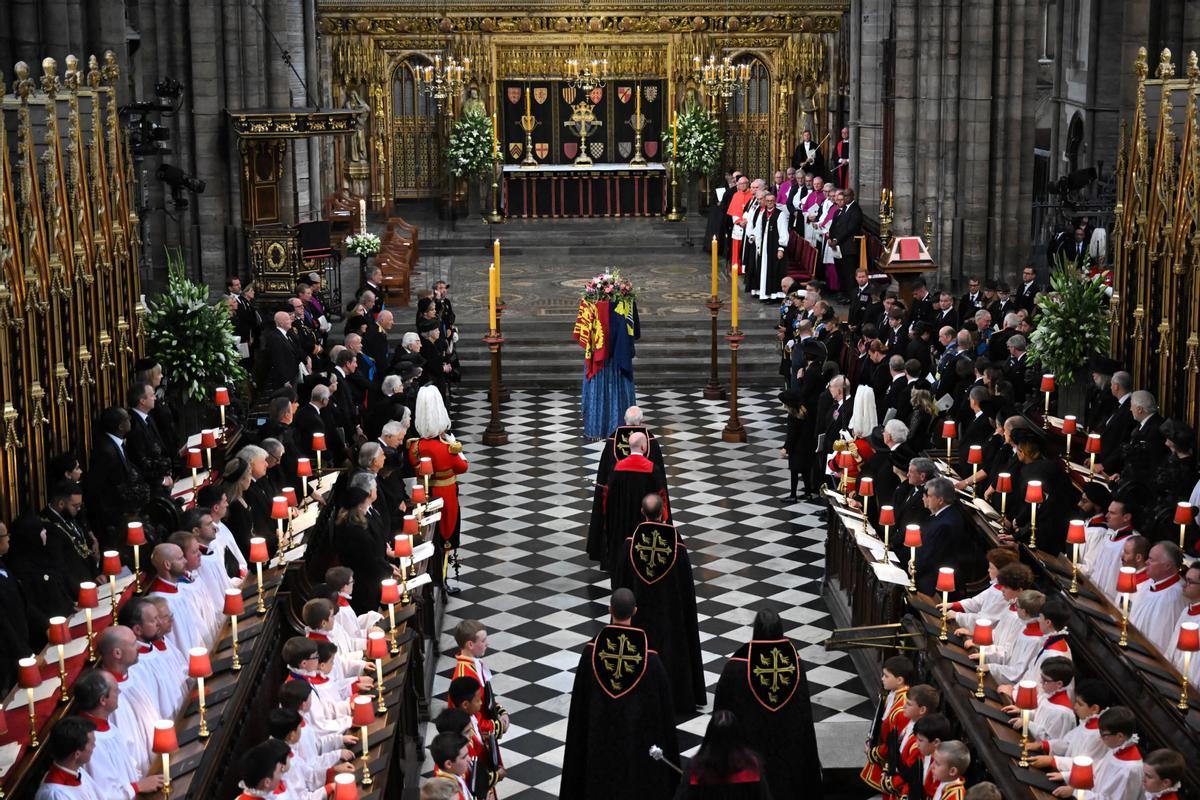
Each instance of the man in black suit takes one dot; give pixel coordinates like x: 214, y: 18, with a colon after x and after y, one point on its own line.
x: 909, y: 497
x: 843, y: 234
x: 832, y: 418
x: 978, y: 427
x: 942, y: 536
x: 144, y: 447
x: 891, y: 398
x: 1025, y: 380
x: 280, y: 365
x: 1027, y: 293
x: 972, y: 301
x: 1146, y: 449
x: 113, y: 486
x: 308, y: 420
x: 1115, y: 430
x: 374, y: 285
x: 375, y: 344
x: 944, y: 313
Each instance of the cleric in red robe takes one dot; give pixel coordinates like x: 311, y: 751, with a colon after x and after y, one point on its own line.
x: 633, y: 477
x: 616, y: 447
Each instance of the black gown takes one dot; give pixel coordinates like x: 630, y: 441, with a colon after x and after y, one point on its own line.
x: 632, y: 479
x: 777, y: 725
x: 359, y: 550
x: 610, y: 729
x: 654, y: 564
x: 616, y: 447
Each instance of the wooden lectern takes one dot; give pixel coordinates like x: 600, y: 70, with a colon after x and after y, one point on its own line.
x: 906, y: 259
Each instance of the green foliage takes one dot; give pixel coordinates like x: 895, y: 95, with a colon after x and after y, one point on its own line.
x: 700, y: 142
x: 1072, y: 321
x: 470, y: 149
x: 192, y: 340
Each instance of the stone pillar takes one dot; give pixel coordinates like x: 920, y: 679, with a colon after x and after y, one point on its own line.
x: 869, y: 25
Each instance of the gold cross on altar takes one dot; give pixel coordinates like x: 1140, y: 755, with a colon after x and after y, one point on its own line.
x: 653, y: 555
x: 620, y: 659
x: 779, y: 674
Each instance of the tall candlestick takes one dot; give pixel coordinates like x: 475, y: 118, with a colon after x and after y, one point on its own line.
x: 674, y: 136
x: 495, y: 139
x: 733, y: 290
x: 714, y: 267
x: 492, y: 298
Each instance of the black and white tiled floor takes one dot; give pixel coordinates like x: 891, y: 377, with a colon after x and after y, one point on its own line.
x: 525, y: 574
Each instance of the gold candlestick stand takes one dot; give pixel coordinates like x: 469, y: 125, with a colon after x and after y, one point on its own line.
x: 528, y: 123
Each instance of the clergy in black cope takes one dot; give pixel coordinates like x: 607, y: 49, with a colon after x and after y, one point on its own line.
x: 654, y: 564
x: 616, y: 447
x: 620, y: 707
x: 633, y: 477
x: 764, y: 685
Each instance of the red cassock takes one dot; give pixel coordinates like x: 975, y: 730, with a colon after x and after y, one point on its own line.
x: 447, y: 466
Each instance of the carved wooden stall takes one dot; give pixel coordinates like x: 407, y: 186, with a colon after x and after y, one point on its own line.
x: 1156, y: 237
x: 374, y: 54
x: 70, y: 297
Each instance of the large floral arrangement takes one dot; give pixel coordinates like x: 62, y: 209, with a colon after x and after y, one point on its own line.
x: 192, y: 340
x: 363, y: 244
x: 470, y: 150
x: 699, y: 143
x: 1072, y: 321
x: 609, y: 286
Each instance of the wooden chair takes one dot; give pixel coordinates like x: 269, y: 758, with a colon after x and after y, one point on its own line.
x: 397, y: 260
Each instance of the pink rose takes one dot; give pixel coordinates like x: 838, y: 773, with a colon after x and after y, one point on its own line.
x: 608, y: 289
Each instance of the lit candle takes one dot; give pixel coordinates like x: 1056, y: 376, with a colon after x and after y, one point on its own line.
x: 637, y: 106
x: 674, y: 135
x: 495, y: 139
x: 527, y: 111
x: 714, y: 266
x: 733, y: 290
x: 362, y: 215
x: 496, y: 263
x: 492, y: 298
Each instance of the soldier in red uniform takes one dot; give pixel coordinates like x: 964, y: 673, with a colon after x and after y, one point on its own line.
x: 445, y: 452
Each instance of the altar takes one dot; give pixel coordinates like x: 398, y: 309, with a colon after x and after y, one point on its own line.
x: 599, y: 190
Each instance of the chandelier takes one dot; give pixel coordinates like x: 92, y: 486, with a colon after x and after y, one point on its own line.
x: 440, y: 82
x: 721, y: 79
x: 585, y: 73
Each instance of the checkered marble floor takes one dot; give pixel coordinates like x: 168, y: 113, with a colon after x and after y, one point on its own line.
x: 526, y: 576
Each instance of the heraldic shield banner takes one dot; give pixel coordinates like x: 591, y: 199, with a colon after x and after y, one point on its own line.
x: 551, y: 103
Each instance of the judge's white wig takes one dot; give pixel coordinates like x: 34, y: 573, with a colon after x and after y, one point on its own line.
x: 431, y: 417
x: 865, y: 416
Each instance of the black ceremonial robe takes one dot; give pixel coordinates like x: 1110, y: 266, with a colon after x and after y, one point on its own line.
x: 620, y: 707
x: 616, y: 447
x: 654, y: 564
x: 632, y: 479
x: 764, y: 685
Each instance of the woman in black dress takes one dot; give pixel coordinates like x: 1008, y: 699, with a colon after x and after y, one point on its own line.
x: 238, y: 519
x: 43, y: 580
x: 357, y: 549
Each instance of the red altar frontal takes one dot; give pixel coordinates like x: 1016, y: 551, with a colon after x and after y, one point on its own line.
x: 602, y: 190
